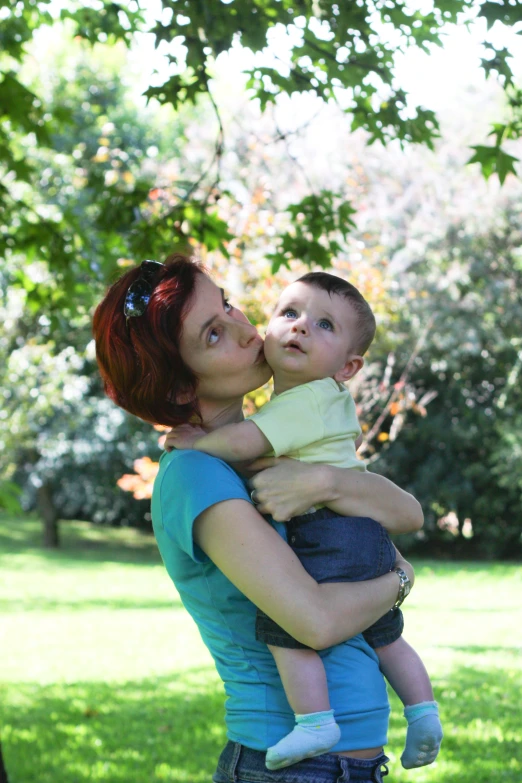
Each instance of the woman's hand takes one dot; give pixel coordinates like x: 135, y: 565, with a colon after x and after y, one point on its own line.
x: 263, y: 567
x: 286, y: 488
x: 183, y: 437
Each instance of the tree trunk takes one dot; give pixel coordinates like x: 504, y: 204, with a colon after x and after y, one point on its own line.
x: 3, y: 771
x: 47, y: 511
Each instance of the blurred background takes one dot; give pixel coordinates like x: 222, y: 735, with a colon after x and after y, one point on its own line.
x: 378, y: 140
x: 268, y: 138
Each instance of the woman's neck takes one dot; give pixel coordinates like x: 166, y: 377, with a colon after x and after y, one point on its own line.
x: 216, y: 414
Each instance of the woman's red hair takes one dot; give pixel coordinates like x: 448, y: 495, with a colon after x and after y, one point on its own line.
x: 139, y: 357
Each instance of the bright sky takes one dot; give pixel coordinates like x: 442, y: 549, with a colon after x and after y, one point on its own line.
x: 432, y: 80
x: 436, y: 81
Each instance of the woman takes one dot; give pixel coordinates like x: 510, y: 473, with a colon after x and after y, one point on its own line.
x: 171, y: 349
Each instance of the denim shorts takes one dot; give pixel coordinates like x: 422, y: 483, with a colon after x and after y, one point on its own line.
x: 238, y: 764
x: 338, y: 549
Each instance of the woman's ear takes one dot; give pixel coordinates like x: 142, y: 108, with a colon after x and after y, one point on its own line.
x: 350, y: 369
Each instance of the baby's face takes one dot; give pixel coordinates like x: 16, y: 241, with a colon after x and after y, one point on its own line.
x: 310, y: 335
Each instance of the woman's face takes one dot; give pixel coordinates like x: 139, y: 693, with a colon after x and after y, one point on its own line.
x: 221, y: 346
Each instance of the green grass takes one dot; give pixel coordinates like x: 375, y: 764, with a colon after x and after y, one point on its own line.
x: 103, y: 676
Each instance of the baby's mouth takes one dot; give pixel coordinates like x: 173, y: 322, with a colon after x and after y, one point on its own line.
x: 293, y: 346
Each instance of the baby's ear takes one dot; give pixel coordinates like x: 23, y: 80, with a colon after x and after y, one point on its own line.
x: 350, y: 369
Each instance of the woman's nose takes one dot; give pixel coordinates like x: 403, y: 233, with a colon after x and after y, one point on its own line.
x: 247, y: 333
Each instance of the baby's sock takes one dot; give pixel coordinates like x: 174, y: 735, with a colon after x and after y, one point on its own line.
x: 313, y: 734
x: 424, y: 734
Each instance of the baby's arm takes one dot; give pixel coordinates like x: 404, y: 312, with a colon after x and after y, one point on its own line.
x: 232, y: 443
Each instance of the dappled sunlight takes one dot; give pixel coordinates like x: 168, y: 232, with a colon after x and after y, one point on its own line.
x: 171, y: 728
x: 168, y: 728
x: 480, y: 715
x: 105, y: 677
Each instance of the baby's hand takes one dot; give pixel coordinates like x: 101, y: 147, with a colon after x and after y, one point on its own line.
x: 183, y: 437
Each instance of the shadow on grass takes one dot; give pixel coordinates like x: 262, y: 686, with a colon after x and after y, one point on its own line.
x: 165, y: 729
x: 477, y: 649
x: 60, y: 605
x: 480, y: 712
x: 171, y: 729
x: 82, y: 543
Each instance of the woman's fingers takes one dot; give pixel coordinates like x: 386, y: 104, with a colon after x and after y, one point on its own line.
x: 282, y: 487
x: 264, y: 462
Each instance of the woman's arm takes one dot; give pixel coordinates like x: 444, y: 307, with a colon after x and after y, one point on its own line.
x: 264, y: 568
x: 286, y: 488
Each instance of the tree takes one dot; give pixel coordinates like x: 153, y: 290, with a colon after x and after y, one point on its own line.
x: 340, y: 52
x: 62, y: 441
x: 91, y: 181
x: 3, y: 771
x: 462, y: 460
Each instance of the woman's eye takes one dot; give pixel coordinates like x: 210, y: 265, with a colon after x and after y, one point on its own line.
x: 324, y: 323
x: 227, y: 306
x: 213, y: 336
x: 290, y: 314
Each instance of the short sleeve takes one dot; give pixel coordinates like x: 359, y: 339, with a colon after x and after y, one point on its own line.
x: 291, y: 421
x: 190, y: 483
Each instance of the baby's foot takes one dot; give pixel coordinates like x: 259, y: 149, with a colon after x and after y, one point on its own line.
x: 314, y: 734
x: 424, y: 735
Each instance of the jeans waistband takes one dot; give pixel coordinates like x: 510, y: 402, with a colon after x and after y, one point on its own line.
x: 314, y: 513
x: 238, y: 763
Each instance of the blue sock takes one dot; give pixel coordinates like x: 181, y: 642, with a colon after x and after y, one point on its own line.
x: 314, y: 733
x: 424, y: 734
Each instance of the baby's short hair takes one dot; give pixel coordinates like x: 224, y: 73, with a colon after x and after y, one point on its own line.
x: 336, y: 285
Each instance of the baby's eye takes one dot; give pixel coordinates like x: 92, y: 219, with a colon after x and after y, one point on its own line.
x: 213, y: 336
x: 227, y: 306
x: 289, y: 313
x: 324, y: 323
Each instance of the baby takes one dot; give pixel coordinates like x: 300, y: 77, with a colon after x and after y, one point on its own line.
x: 315, y: 341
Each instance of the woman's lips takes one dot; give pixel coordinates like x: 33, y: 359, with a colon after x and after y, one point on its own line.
x: 260, y: 358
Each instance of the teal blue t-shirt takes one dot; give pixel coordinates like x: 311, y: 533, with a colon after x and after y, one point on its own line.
x: 257, y: 712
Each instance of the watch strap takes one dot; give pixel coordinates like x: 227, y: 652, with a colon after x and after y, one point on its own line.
x: 404, y: 586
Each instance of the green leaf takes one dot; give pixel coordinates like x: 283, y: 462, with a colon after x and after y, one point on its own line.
x: 501, y: 11
x: 10, y: 497
x: 498, y: 64
x: 492, y: 160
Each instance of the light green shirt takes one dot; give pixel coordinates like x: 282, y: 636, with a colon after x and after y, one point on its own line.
x: 313, y: 422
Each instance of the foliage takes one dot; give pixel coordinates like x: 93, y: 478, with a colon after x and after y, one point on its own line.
x: 56, y: 428
x: 30, y: 123
x: 91, y: 181
x: 339, y: 52
x: 316, y: 221
x: 462, y: 458
x: 9, y: 497
x: 99, y: 646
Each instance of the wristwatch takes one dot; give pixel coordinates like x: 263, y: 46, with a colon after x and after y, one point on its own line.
x: 404, y: 586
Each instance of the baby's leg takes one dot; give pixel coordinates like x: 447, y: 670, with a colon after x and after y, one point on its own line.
x: 407, y: 675
x: 304, y: 680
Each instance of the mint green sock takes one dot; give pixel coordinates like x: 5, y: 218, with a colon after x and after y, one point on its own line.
x: 314, y: 733
x: 424, y: 734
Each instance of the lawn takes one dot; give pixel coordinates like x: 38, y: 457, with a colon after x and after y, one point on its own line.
x: 103, y: 676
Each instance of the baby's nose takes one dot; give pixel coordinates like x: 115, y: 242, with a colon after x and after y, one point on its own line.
x: 300, y: 326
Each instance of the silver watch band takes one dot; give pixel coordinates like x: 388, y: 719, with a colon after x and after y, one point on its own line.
x: 404, y: 586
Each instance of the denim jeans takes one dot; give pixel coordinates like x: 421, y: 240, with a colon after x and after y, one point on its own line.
x: 332, y: 548
x: 238, y: 764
